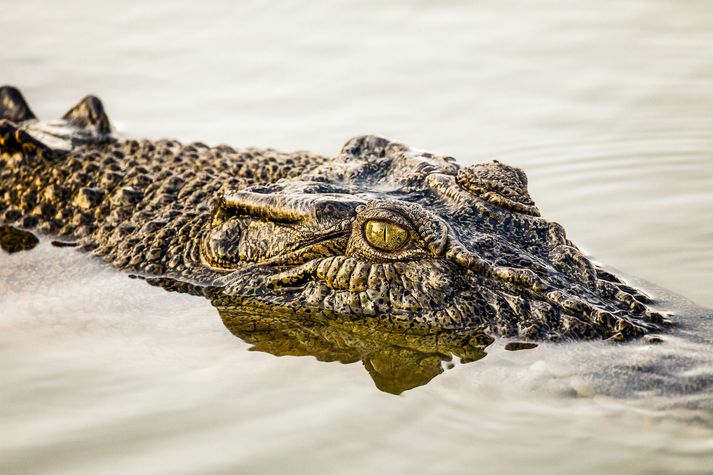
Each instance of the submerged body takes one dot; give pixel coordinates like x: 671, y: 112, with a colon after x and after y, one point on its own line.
x: 380, y: 236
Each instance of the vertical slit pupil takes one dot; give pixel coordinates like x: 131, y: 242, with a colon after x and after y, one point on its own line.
x: 385, y: 235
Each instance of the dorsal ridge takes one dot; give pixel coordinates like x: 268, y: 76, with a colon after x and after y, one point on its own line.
x: 90, y: 116
x: 13, y: 106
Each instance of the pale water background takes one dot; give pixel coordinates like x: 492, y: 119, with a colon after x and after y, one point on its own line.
x: 608, y: 106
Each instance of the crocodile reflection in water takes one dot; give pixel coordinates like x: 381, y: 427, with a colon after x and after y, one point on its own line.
x: 396, y: 362
x: 383, y: 235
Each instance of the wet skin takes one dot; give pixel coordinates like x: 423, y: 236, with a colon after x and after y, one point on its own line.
x: 381, y: 236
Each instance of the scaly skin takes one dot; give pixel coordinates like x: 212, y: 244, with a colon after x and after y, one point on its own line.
x: 381, y: 235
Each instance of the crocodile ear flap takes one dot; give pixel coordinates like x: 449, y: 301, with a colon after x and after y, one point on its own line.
x: 499, y: 184
x: 89, y: 116
x: 13, y: 106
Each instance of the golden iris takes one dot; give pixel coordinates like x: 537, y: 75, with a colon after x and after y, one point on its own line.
x: 385, y: 235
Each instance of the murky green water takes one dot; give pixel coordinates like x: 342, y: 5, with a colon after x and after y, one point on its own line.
x: 607, y: 105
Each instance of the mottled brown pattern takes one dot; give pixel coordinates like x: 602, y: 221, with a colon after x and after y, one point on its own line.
x: 258, y: 227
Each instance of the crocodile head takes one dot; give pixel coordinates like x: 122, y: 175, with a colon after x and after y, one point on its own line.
x: 388, y: 236
x: 381, y: 237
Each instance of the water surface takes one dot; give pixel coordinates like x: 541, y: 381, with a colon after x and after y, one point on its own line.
x: 606, y: 105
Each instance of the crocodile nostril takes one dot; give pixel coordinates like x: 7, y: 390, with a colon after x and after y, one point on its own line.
x: 499, y: 184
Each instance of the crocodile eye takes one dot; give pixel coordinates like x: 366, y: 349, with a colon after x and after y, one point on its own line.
x: 385, y: 235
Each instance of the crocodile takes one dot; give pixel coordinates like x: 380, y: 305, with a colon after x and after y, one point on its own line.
x: 381, y: 236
